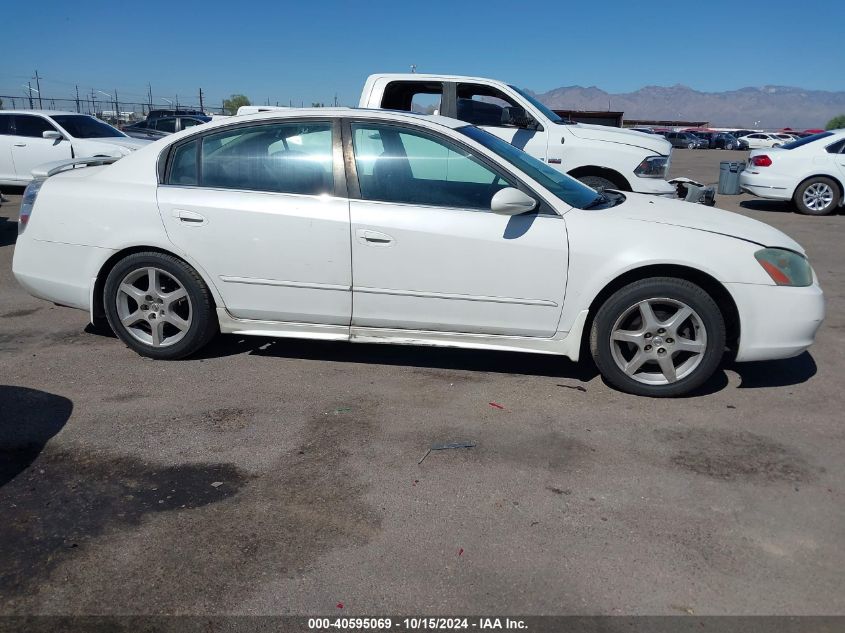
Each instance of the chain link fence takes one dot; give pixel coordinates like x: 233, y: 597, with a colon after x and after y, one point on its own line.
x: 111, y: 111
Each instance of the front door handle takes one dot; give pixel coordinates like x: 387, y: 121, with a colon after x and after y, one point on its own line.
x: 189, y: 217
x: 20, y: 144
x: 373, y: 238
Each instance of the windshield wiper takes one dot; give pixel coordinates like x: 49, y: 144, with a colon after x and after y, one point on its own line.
x: 598, y: 201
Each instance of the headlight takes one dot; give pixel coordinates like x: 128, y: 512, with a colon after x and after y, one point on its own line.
x: 786, y: 268
x: 653, y: 167
x: 27, y: 202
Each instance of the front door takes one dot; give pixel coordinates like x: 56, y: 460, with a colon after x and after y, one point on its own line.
x: 30, y: 148
x: 256, y: 207
x: 484, y: 106
x: 427, y: 252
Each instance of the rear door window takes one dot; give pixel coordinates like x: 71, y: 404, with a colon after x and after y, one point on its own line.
x: 424, y: 97
x: 31, y: 125
x: 5, y: 124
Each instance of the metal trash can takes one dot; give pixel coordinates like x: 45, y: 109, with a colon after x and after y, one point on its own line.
x: 729, y: 177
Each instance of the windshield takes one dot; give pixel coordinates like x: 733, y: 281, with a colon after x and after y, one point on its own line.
x: 551, y: 116
x: 805, y: 140
x: 83, y: 126
x: 564, y: 187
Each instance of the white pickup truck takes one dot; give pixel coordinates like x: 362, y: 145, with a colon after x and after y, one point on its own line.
x: 601, y: 157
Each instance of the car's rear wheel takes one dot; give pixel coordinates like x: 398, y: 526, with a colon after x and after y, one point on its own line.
x: 729, y: 146
x: 658, y: 337
x: 690, y: 145
x: 817, y: 196
x: 159, y: 306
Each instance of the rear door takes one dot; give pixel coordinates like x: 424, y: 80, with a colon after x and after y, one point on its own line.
x: 259, y: 208
x: 30, y: 148
x: 427, y: 252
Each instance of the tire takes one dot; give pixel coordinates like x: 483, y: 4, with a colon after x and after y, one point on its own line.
x: 729, y: 146
x: 174, y: 321
x: 598, y: 183
x: 817, y: 196
x: 690, y: 145
x: 621, y: 336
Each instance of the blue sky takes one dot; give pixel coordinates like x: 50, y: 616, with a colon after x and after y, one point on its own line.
x: 310, y: 51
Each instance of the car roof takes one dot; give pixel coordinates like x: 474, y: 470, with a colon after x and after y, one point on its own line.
x: 293, y: 113
x: 42, y: 112
x: 431, y: 77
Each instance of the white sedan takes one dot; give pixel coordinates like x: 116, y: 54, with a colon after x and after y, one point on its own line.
x: 762, y: 139
x: 389, y: 227
x: 809, y: 171
x: 31, y: 137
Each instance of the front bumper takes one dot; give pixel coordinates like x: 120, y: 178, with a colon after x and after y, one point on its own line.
x: 776, y: 321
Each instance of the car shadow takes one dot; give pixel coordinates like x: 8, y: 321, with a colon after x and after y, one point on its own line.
x: 776, y: 373
x: 772, y: 206
x: 8, y: 231
x: 400, y: 355
x: 29, y: 419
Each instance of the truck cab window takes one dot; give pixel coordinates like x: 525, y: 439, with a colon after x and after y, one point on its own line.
x: 413, y: 96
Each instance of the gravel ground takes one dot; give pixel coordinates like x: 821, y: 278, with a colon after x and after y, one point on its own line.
x: 281, y: 477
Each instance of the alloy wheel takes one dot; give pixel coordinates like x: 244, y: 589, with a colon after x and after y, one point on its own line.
x: 658, y: 341
x: 818, y: 196
x: 154, y: 307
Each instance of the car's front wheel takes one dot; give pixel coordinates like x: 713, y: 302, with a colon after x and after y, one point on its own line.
x: 817, y: 196
x: 658, y: 337
x: 159, y: 306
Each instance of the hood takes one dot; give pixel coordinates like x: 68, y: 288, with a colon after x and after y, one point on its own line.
x: 700, y: 218
x: 651, y: 142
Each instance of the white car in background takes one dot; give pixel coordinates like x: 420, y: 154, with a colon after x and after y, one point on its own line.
x: 762, y: 139
x: 809, y: 171
x: 377, y: 226
x: 31, y: 137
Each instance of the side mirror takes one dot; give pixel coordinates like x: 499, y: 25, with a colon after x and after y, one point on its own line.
x: 52, y: 135
x: 510, y: 201
x: 518, y: 117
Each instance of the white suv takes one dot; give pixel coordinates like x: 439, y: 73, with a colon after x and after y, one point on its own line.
x: 31, y: 137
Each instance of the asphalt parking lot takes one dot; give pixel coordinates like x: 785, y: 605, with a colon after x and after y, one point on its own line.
x: 281, y: 477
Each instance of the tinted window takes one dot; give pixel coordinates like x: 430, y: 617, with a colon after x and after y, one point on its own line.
x: 186, y: 123
x: 564, y: 187
x: 165, y: 125
x: 284, y: 157
x: 836, y: 148
x: 807, y: 139
x: 5, y: 124
x: 414, y: 96
x: 83, y: 126
x: 183, y: 170
x: 30, y: 125
x: 405, y: 166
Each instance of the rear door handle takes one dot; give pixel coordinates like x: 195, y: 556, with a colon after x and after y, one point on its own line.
x: 189, y: 217
x: 373, y: 238
x: 20, y: 144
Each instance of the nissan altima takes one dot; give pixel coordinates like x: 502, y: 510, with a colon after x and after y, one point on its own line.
x: 388, y: 227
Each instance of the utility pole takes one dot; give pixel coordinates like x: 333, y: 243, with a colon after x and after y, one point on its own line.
x: 29, y: 85
x: 116, y: 108
x: 202, y: 108
x: 77, y: 98
x: 335, y: 100
x: 150, y: 94
x: 38, y: 87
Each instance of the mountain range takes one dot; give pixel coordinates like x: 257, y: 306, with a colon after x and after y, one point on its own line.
x: 761, y: 107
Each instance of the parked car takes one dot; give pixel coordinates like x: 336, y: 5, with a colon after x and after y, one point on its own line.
x: 686, y: 140
x: 706, y: 136
x: 757, y: 140
x: 161, y: 126
x: 31, y: 137
x: 160, y: 113
x: 741, y: 133
x: 809, y: 171
x: 599, y: 156
x: 723, y: 140
x: 389, y: 227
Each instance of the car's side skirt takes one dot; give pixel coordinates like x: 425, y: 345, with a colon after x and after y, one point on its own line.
x: 563, y: 343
